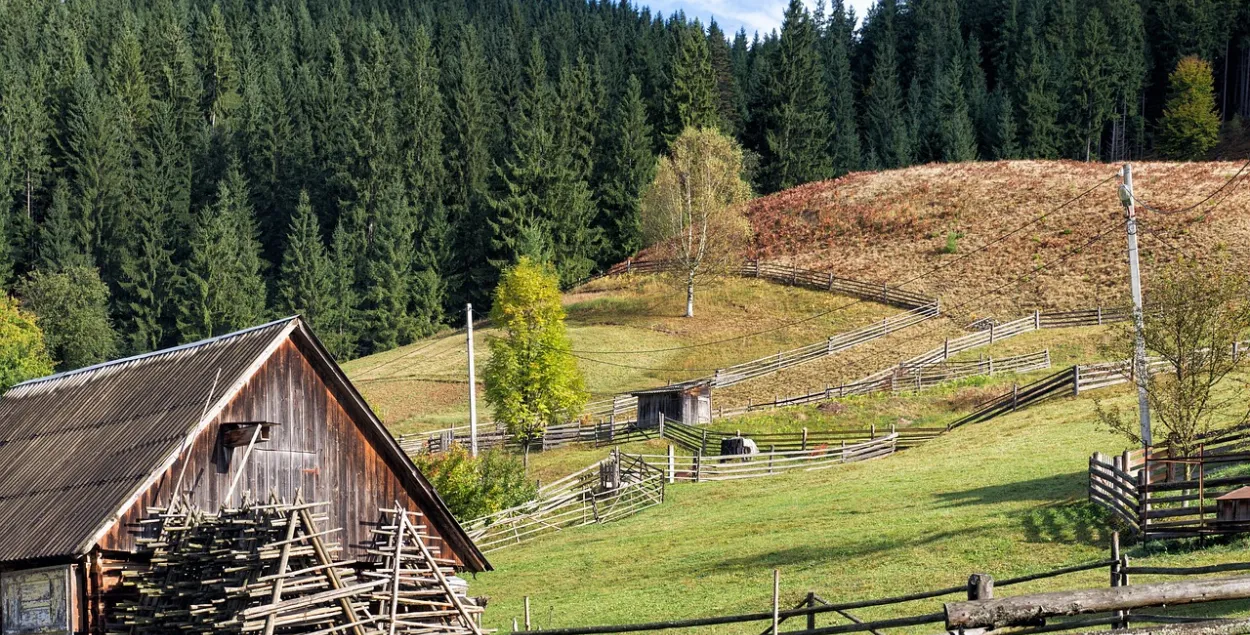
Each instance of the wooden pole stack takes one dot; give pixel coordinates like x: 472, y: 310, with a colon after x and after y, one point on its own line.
x: 273, y: 569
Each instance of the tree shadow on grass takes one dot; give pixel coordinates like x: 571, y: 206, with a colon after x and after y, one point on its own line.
x: 1053, y: 488
x: 1071, y: 522
x: 807, y: 555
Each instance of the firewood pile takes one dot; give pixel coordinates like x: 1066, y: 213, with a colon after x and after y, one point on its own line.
x: 274, y: 569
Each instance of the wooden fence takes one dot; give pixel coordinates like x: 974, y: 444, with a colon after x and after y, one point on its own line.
x: 495, y: 435
x: 912, y: 375
x: 624, y: 405
x: 612, y: 489
x: 1161, y: 494
x: 703, y: 468
x: 1118, y: 605
x: 793, y: 276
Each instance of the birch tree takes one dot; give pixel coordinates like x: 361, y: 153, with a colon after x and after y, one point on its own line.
x: 691, y: 213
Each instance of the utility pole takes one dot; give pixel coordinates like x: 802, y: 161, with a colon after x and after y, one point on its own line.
x: 472, y: 386
x: 1139, y: 341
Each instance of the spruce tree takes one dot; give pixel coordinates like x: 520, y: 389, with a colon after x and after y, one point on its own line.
x: 1090, y: 94
x: 1039, y: 100
x: 844, y: 147
x: 64, y: 240
x: 692, y: 99
x: 1190, y: 125
x: 730, y: 100
x: 470, y: 120
x: 341, y: 334
x: 26, y: 133
x: 885, y: 123
x: 219, y: 70
x: 220, y: 286
x: 956, y: 135
x: 629, y: 171
x: 1006, y: 145
x: 797, y: 130
x: 99, y: 166
x: 306, y: 283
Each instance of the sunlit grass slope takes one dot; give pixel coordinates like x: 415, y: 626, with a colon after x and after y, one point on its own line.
x: 1005, y: 497
x: 425, y: 385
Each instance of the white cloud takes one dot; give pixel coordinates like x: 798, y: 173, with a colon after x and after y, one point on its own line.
x: 755, y: 15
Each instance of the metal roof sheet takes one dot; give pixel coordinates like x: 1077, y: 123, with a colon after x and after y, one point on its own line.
x: 75, y: 447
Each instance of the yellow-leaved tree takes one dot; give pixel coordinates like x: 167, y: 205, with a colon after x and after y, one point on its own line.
x: 23, y: 353
x: 531, y: 379
x: 692, y: 211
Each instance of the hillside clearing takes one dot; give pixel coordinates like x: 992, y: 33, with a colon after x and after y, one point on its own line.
x: 894, y: 226
x: 1007, y: 497
x: 424, y: 386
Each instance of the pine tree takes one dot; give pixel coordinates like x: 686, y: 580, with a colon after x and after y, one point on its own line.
x: 797, y: 130
x: 1090, y: 93
x: 218, y: 68
x: 162, y: 210
x: 886, y: 126
x: 306, y: 283
x: 844, y: 148
x: 470, y: 119
x: 341, y: 335
x: 221, y: 288
x: 1006, y: 145
x: 630, y: 170
x: 957, y: 138
x: 1039, y: 101
x: 692, y: 100
x: 730, y: 100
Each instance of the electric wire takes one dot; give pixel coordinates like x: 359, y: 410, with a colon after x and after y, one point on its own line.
x: 1230, y: 183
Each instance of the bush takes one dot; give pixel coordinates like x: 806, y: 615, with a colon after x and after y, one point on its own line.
x: 23, y: 354
x: 952, y: 242
x: 473, y: 488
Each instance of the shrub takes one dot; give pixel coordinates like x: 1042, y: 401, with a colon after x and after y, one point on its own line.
x: 23, y: 354
x: 473, y: 488
x: 952, y: 242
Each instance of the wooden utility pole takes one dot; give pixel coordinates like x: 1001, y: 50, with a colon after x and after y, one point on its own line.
x: 1139, y: 345
x: 472, y: 385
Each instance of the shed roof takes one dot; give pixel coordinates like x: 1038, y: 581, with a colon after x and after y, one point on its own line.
x: 76, y: 448
x: 683, y: 387
x: 1242, y: 493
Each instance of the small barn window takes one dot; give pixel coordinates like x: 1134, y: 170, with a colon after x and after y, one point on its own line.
x: 37, y: 601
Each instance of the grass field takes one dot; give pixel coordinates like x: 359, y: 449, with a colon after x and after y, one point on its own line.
x: 1006, y: 497
x: 424, y: 386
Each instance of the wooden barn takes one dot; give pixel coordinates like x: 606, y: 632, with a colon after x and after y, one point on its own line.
x: 689, y: 403
x: 85, y: 456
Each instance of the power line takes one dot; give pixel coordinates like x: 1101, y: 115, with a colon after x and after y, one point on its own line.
x: 915, y: 278
x: 1227, y: 184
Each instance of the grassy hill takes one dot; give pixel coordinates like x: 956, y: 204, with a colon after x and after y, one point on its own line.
x: 1005, y: 497
x: 425, y: 385
x: 892, y: 226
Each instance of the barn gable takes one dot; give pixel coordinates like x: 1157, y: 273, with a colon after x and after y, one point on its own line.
x: 91, y: 450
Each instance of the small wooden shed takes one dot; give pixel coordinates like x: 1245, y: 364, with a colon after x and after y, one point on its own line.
x: 86, y: 454
x: 689, y: 403
x: 1234, y: 506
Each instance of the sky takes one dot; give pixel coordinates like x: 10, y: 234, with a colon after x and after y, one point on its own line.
x: 755, y: 15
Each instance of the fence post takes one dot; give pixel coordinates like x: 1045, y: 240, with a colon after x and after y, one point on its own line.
x: 794, y: 275
x: 804, y: 439
x: 771, y: 450
x: 885, y: 293
x: 1076, y: 380
x: 662, y: 418
x: 872, y: 431
x: 831, y: 281
x: 672, y: 464
x: 716, y: 377
x: 811, y: 617
x: 1099, y: 316
x: 776, y: 601
x: 1037, y: 319
x: 980, y: 586
x: 778, y: 362
x: 946, y: 349
x: 829, y: 346
x: 1015, y: 396
x: 703, y: 446
x: 991, y: 332
x: 527, y: 612
x: 698, y: 465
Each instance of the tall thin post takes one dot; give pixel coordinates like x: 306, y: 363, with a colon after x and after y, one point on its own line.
x: 776, y: 600
x: 472, y: 385
x: 1139, y: 346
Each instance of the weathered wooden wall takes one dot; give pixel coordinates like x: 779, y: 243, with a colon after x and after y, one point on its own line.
x: 316, y: 449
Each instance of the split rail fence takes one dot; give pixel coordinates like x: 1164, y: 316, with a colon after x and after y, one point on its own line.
x: 1119, y: 605
x: 1162, y: 493
x: 725, y: 467
x: 612, y: 489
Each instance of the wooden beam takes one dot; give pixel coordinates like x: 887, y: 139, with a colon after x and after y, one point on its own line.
x: 1028, y: 610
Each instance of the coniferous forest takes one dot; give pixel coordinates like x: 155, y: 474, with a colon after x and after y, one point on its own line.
x: 176, y: 169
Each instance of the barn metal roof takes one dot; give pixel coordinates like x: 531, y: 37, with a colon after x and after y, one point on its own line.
x: 77, y: 446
